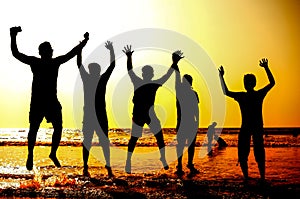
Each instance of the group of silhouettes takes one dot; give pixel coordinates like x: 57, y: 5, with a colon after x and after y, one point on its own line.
x: 44, y: 103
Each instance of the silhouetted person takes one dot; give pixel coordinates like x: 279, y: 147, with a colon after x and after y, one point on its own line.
x: 95, y: 117
x: 187, y: 116
x: 221, y: 142
x: 251, y: 103
x: 210, y: 137
x: 44, y: 102
x: 143, y: 111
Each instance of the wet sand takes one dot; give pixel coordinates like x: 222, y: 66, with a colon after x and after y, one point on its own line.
x: 219, y: 176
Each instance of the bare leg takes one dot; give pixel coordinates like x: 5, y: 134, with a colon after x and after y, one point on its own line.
x: 86, y: 147
x: 33, y: 129
x: 106, y: 152
x: 259, y: 153
x: 161, y: 145
x: 131, y: 146
x: 179, y: 151
x: 191, y: 152
x: 56, y: 137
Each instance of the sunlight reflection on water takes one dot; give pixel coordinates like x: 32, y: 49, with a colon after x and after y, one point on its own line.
x: 282, y: 164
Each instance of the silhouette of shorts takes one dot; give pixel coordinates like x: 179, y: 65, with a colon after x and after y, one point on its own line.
x: 244, y: 141
x: 138, y: 121
x: 90, y: 124
x: 51, y: 111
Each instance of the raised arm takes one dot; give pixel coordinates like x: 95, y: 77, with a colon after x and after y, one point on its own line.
x: 14, y: 49
x: 83, y: 73
x: 223, y: 84
x: 264, y: 63
x: 176, y: 56
x: 79, y: 59
x: 112, y: 65
x: 132, y: 75
x: 64, y: 58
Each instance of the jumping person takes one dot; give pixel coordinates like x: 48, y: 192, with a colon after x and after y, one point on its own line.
x: 143, y: 111
x: 95, y: 117
x: 44, y: 102
x: 250, y: 103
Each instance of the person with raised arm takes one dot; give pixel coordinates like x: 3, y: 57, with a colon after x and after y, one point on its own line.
x: 95, y: 116
x: 250, y: 103
x: 187, y: 117
x: 143, y: 110
x: 44, y: 102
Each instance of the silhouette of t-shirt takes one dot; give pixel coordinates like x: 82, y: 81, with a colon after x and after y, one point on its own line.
x: 89, y: 86
x: 44, y: 83
x: 187, y: 103
x: 100, y: 103
x: 251, y: 107
x: 144, y: 97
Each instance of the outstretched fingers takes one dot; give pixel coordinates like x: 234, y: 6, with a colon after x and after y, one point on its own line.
x: 108, y: 44
x: 127, y: 50
x: 263, y: 62
x: 179, y: 53
x: 221, y: 70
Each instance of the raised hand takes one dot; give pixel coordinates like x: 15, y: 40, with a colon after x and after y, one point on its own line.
x: 86, y: 36
x: 221, y: 71
x: 109, y: 45
x: 127, y: 50
x: 15, y: 30
x: 83, y: 42
x: 263, y: 62
x: 177, y: 55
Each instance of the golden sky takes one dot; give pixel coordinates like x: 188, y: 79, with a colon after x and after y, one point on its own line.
x: 235, y: 34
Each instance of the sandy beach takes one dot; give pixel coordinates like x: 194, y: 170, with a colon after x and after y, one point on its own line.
x: 219, y: 176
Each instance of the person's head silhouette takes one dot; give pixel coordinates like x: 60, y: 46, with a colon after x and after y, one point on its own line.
x: 94, y: 69
x: 147, y: 72
x: 214, y: 124
x: 249, y: 82
x: 45, y: 50
x: 187, y: 80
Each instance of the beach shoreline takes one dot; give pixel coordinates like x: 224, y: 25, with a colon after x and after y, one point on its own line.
x: 219, y: 176
x: 150, y: 186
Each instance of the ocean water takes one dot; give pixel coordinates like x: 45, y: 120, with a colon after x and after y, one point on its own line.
x: 282, y: 157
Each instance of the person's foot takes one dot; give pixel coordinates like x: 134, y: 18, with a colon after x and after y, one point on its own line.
x: 29, y: 162
x: 193, y: 170
x: 262, y: 182
x: 55, y: 160
x: 86, y: 173
x: 179, y: 172
x: 164, y: 163
x: 128, y: 167
x: 210, y: 153
x: 109, y: 171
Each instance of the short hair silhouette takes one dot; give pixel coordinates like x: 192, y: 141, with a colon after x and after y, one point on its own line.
x: 251, y: 105
x: 148, y: 72
x: 45, y: 49
x: 95, y: 115
x: 188, y: 78
x: 94, y: 69
x: 249, y: 81
x: 143, y: 110
x: 44, y: 101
